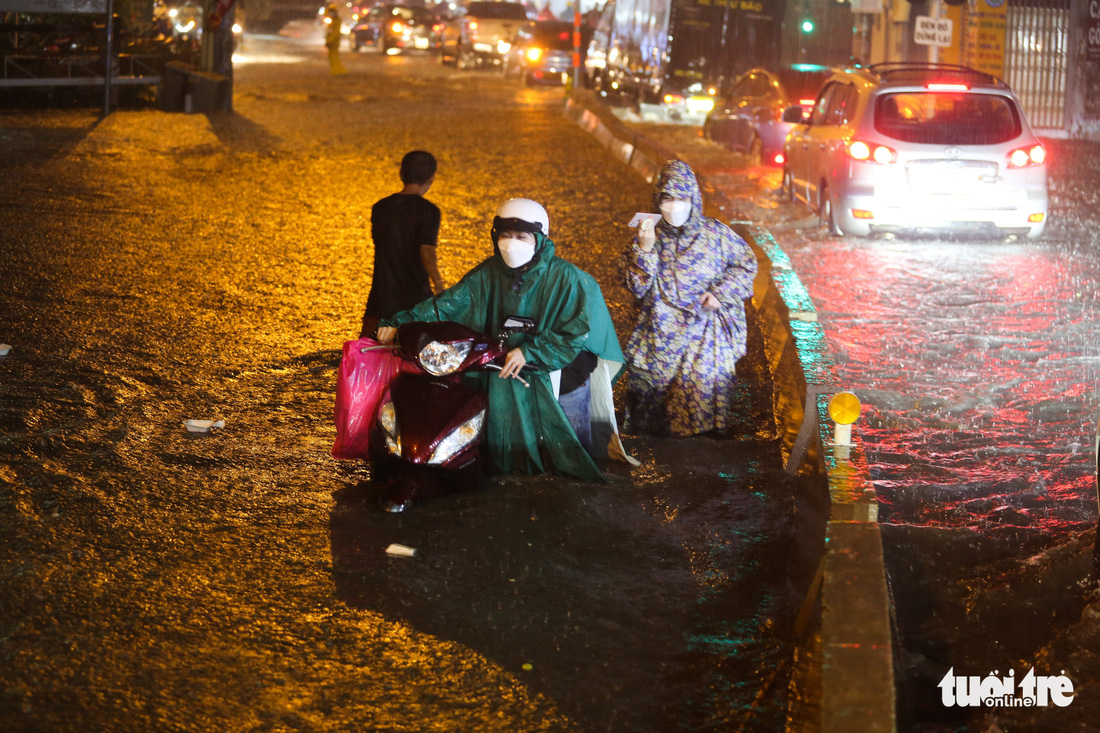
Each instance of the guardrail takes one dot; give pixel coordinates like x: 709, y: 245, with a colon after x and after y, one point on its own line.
x: 847, y: 668
x: 24, y: 70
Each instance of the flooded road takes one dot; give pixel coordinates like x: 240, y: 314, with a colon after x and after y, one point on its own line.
x: 978, y: 364
x: 158, y: 268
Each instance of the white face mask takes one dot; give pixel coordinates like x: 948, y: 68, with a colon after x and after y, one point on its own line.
x: 676, y: 212
x: 516, y: 252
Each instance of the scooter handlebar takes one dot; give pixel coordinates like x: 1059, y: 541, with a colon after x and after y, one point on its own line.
x: 515, y: 375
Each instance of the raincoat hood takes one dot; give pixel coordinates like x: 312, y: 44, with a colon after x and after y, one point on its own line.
x: 678, y: 181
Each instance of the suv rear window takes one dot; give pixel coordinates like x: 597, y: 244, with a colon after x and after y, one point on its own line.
x: 558, y: 36
x: 946, y: 118
x: 801, y: 85
x: 495, y: 10
x: 418, y: 15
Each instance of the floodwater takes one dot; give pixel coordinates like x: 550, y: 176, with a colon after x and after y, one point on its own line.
x: 978, y: 365
x: 157, y: 268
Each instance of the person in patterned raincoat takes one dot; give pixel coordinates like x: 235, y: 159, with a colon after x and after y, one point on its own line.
x: 690, y: 275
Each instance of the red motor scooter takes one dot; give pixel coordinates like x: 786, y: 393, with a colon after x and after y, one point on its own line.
x: 426, y: 435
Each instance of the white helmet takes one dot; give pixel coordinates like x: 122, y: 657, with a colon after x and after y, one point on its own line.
x: 525, y: 211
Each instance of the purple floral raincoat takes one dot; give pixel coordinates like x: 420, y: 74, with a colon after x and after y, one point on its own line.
x: 681, y: 355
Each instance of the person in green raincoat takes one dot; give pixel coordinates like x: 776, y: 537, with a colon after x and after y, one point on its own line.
x: 526, y: 429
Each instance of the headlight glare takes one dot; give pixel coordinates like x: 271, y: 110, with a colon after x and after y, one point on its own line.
x: 458, y: 439
x: 387, y: 418
x: 440, y: 359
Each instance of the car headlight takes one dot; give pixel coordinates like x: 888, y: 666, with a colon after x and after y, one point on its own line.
x: 387, y: 418
x: 458, y: 439
x: 439, y: 359
x: 503, y: 46
x: 700, y: 104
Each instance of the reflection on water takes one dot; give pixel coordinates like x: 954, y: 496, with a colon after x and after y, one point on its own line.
x: 979, y: 366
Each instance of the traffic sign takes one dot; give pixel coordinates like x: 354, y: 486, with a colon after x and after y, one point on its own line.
x: 932, y: 31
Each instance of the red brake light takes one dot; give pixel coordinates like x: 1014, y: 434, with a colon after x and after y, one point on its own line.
x: 806, y: 102
x: 880, y: 154
x: 674, y: 99
x: 945, y: 87
x: 779, y: 158
x: 859, y: 150
x: 1027, y: 157
x: 471, y: 24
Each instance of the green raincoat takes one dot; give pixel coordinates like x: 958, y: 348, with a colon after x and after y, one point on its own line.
x: 526, y: 430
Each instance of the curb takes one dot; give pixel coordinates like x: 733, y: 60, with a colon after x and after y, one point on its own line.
x: 851, y: 665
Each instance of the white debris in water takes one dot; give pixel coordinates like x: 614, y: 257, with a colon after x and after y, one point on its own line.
x: 202, y: 426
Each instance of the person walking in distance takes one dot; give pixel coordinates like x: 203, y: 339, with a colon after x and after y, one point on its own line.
x: 333, y: 36
x: 405, y: 230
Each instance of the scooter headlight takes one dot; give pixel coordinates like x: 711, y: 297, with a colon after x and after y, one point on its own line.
x: 440, y: 359
x: 387, y: 418
x: 458, y: 439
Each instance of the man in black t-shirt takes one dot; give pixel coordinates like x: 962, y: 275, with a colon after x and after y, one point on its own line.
x: 405, y: 230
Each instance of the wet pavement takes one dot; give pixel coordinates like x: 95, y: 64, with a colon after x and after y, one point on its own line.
x: 159, y: 267
x: 978, y: 364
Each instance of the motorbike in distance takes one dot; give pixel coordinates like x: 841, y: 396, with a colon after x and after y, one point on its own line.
x: 426, y: 435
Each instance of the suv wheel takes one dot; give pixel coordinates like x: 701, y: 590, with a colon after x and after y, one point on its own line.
x: 827, y: 211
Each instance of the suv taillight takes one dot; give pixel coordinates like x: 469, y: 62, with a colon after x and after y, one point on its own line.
x: 1027, y: 157
x: 859, y: 150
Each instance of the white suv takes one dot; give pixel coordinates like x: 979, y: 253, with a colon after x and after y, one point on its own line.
x: 913, y: 148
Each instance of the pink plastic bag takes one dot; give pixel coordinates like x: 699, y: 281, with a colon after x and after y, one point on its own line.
x: 360, y: 385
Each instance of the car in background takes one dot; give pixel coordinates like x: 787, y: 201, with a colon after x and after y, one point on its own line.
x: 392, y: 28
x: 481, y: 32
x: 542, y: 52
x: 689, y: 105
x: 917, y: 148
x: 748, y: 113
